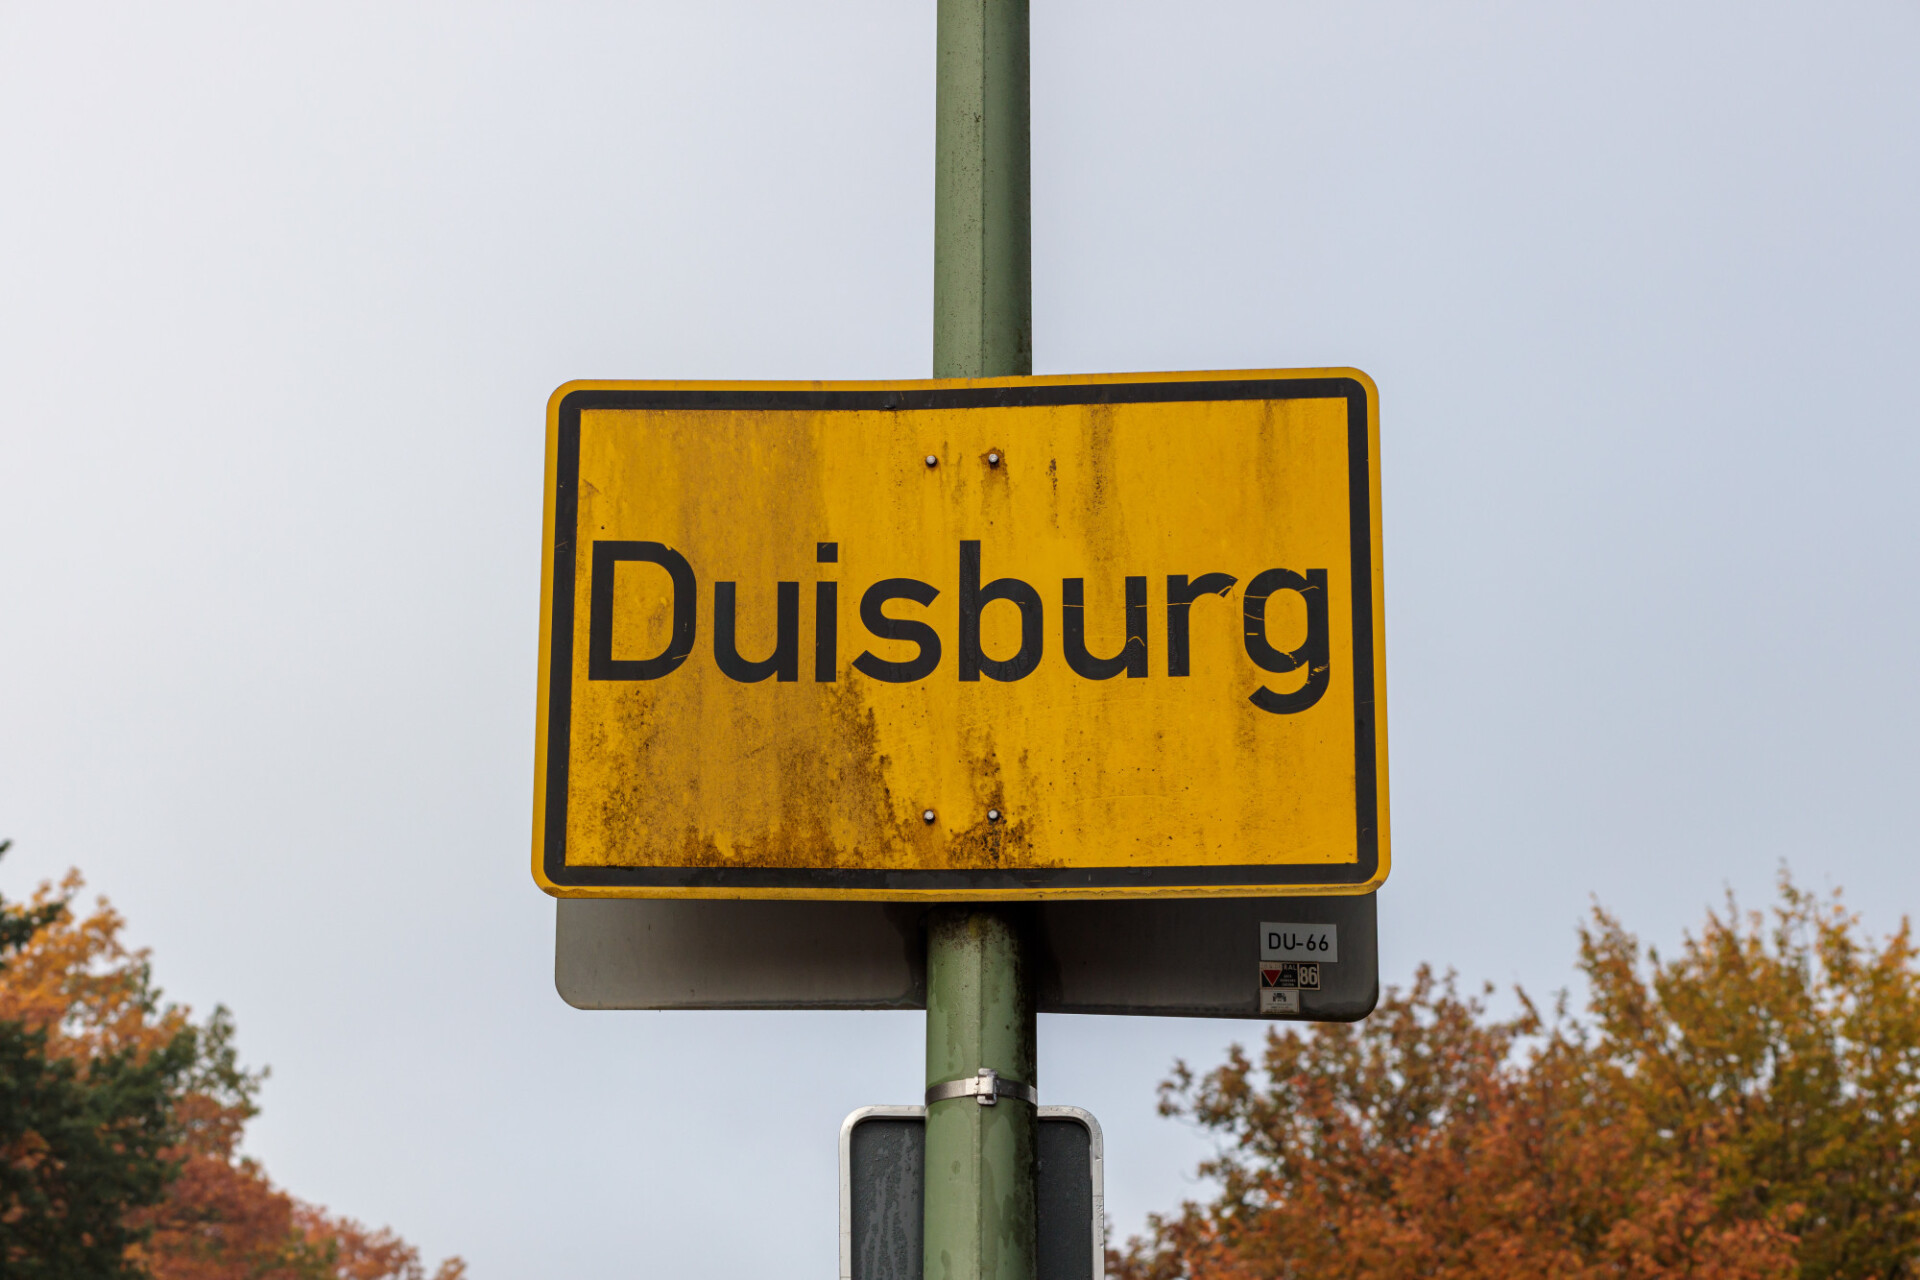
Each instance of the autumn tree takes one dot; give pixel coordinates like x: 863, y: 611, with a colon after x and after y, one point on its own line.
x: 84, y: 1139
x: 169, y: 1097
x: 1745, y: 1109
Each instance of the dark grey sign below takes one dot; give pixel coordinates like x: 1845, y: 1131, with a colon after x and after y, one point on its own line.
x: 883, y: 1179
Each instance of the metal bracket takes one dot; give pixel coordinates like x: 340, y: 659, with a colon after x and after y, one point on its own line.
x: 988, y: 1087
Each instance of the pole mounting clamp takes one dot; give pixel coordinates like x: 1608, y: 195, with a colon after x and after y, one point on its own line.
x: 986, y: 1088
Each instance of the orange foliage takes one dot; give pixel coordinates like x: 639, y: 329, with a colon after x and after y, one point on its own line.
x: 223, y: 1219
x: 1748, y: 1111
x: 78, y: 982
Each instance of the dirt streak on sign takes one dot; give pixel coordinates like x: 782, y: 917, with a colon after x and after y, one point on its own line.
x: 998, y: 638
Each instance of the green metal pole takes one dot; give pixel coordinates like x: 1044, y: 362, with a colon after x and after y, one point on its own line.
x: 980, y: 1217
x: 982, y: 229
x: 979, y: 1209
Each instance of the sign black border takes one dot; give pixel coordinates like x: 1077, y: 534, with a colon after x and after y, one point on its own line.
x: 1262, y: 877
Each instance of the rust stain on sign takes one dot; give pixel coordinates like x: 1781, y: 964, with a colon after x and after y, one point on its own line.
x: 969, y: 639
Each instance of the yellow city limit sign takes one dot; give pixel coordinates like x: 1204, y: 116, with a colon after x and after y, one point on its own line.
x: 997, y: 638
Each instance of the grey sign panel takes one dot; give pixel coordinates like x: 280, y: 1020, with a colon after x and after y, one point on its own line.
x: 883, y: 1180
x: 1180, y: 957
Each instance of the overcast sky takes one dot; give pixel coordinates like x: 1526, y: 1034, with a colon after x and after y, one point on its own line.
x: 284, y: 289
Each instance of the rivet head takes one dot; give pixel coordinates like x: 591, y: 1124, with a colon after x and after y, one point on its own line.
x: 993, y: 459
x: 932, y: 462
x: 993, y: 815
x: 926, y: 816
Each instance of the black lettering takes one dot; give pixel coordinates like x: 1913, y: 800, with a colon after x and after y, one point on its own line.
x: 1180, y: 597
x: 1132, y: 657
x: 785, y: 661
x: 826, y: 631
x: 1312, y: 653
x: 875, y: 620
x: 601, y: 664
x: 973, y: 598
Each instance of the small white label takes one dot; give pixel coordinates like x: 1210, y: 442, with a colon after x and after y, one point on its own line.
x: 1274, y: 1000
x: 1317, y: 942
